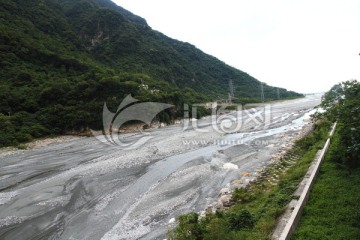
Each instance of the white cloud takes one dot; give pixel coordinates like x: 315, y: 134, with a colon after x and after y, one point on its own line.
x: 306, y: 46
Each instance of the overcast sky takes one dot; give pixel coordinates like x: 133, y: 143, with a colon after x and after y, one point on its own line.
x: 305, y: 46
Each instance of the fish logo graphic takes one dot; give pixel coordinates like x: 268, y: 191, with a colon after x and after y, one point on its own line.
x: 130, y: 109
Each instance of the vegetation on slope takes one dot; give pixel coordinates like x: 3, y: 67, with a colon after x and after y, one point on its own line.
x: 333, y: 208
x: 332, y: 211
x: 342, y: 104
x: 60, y: 60
x: 257, y: 207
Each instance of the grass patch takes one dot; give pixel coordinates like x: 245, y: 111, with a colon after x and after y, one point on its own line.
x: 256, y: 208
x: 333, y: 209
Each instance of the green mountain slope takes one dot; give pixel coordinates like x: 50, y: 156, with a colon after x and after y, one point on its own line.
x: 62, y: 59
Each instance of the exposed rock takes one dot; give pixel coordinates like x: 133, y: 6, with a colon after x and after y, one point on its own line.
x: 230, y: 166
x: 225, y: 201
x: 224, y: 191
x: 237, y: 181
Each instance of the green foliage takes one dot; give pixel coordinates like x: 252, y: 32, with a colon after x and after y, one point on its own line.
x: 332, y: 211
x: 320, y: 131
x: 61, y: 60
x: 188, y: 228
x: 217, y: 229
x: 243, y: 195
x: 257, y: 207
x: 240, y: 220
x: 342, y: 104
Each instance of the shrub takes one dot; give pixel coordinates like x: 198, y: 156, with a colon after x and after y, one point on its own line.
x: 188, y: 228
x: 242, y: 195
x: 240, y: 220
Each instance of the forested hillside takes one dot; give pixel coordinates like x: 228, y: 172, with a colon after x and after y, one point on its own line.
x: 62, y: 59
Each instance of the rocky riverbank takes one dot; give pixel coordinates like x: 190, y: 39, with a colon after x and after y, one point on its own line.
x: 287, y: 142
x: 37, y: 144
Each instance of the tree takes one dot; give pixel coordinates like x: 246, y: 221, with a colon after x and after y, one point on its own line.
x: 188, y: 228
x: 342, y: 104
x: 217, y: 229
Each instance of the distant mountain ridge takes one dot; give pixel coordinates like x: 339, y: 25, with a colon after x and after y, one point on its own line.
x: 62, y: 59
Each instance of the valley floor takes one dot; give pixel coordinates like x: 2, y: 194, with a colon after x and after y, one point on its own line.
x: 84, y: 189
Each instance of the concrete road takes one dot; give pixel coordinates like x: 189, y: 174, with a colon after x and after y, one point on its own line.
x: 84, y: 189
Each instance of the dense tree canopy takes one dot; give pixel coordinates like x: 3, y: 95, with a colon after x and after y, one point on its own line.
x: 342, y: 104
x: 62, y: 59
